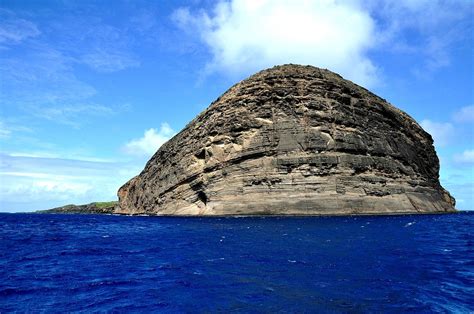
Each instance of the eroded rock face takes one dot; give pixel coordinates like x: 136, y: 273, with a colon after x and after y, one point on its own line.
x: 292, y: 140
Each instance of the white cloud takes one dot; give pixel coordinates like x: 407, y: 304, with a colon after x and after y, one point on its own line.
x: 4, y: 131
x: 246, y: 35
x: 465, y: 114
x: 152, y: 139
x: 442, y: 132
x: 466, y: 157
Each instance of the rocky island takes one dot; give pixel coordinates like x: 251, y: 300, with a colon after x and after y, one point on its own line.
x: 92, y: 208
x: 292, y: 140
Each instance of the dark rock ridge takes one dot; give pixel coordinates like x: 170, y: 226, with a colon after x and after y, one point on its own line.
x: 292, y: 140
x: 92, y: 208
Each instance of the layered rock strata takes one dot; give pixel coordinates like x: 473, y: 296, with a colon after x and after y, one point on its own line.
x: 292, y: 140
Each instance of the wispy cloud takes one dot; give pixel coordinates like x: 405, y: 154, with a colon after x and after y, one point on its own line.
x: 458, y: 180
x: 442, y: 132
x: 464, y: 192
x: 7, y: 129
x: 41, y: 79
x: 4, y: 131
x: 464, y: 115
x: 106, y: 61
x: 152, y: 139
x: 101, y: 46
x: 30, y: 182
x: 14, y: 30
x: 39, y: 75
x: 447, y: 134
x: 144, y: 21
x: 70, y: 114
x: 457, y: 170
x: 467, y: 157
x: 436, y: 24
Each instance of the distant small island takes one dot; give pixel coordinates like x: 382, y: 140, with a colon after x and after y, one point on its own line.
x: 92, y: 208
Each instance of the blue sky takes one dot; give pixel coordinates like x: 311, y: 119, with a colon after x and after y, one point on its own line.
x: 90, y: 89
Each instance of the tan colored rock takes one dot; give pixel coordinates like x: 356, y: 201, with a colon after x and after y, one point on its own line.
x: 292, y: 140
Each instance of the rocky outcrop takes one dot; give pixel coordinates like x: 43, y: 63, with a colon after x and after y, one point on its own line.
x: 292, y: 140
x: 92, y: 208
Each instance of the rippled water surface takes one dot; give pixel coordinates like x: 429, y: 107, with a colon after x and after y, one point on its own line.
x: 325, y: 264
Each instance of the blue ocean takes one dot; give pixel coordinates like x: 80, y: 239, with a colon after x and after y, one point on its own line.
x: 64, y: 263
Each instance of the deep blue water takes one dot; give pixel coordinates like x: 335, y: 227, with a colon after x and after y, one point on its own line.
x: 59, y: 263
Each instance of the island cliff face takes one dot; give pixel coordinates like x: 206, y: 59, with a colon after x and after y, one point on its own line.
x: 292, y: 140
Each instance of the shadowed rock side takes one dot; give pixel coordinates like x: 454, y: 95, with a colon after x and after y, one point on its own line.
x: 292, y: 140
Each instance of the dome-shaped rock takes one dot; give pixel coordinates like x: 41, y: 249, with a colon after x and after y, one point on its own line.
x: 292, y: 140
